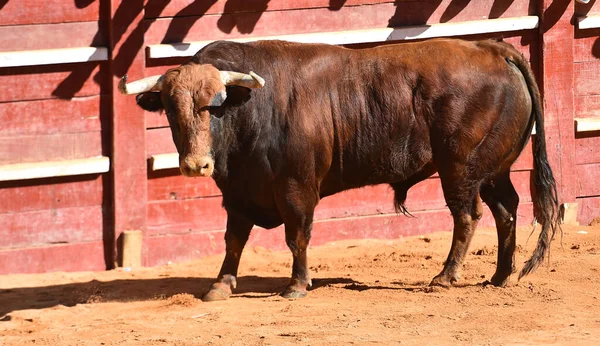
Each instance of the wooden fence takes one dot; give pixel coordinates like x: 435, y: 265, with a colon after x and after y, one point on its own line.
x: 80, y: 164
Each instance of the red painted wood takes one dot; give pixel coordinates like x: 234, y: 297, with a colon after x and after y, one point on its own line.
x: 319, y: 20
x: 588, y: 180
x: 31, y: 37
x: 206, y: 214
x: 183, y: 247
x: 591, y: 8
x: 525, y: 160
x: 171, y: 185
x: 51, y: 11
x: 199, y: 8
x: 159, y: 141
x: 587, y: 149
x: 63, y: 146
x: 183, y: 216
x: 67, y: 257
x: 189, y: 246
x: 52, y: 81
x: 129, y: 186
x: 588, y: 209
x: 587, y: 75
x: 156, y: 119
x: 557, y: 87
x: 52, y: 226
x: 587, y: 106
x: 51, y: 116
x: 587, y: 46
x: 50, y: 194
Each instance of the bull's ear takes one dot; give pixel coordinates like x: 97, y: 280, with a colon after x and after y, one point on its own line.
x: 150, y: 101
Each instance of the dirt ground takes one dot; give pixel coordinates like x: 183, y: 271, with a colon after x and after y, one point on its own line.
x: 365, y: 292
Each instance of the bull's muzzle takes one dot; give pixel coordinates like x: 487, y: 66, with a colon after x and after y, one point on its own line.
x: 202, y: 166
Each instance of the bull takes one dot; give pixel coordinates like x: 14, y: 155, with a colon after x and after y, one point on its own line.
x: 313, y: 120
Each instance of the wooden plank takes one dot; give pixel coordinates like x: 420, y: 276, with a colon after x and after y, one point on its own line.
x: 525, y: 160
x: 50, y: 11
x: 90, y: 256
x: 53, y: 56
x: 366, y: 35
x: 445, y: 9
x: 171, y: 185
x: 588, y: 180
x: 63, y: 146
x: 156, y: 119
x: 229, y: 26
x: 155, y: 9
x: 164, y: 161
x: 21, y: 196
x: 43, y: 117
x: 51, y: 226
x: 184, y: 247
x: 587, y: 124
x: 557, y: 86
x: 52, y: 81
x: 183, y: 216
x: 586, y: 46
x: 159, y: 141
x: 47, y: 169
x: 206, y: 214
x: 588, y: 22
x: 587, y: 75
x: 129, y: 186
x: 587, y: 150
x: 32, y: 37
x: 587, y: 106
x: 588, y: 209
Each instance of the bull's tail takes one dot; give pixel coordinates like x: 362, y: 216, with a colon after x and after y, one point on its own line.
x: 545, y: 199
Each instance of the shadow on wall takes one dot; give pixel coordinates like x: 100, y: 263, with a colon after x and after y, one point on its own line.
x: 582, y: 9
x: 245, y: 24
x: 83, y: 3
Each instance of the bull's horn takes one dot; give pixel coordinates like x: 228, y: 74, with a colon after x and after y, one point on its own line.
x: 153, y: 83
x: 251, y: 80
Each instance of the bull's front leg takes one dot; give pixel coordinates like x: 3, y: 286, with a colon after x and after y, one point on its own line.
x: 297, y: 204
x: 236, y: 236
x: 297, y: 236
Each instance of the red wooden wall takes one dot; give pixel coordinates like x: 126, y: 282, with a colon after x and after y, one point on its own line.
x: 67, y: 111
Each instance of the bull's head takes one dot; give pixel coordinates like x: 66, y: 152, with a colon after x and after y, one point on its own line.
x: 188, y: 94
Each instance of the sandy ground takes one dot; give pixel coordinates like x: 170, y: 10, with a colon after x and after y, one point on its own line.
x: 365, y: 292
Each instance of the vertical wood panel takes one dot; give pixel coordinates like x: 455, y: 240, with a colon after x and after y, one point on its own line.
x: 128, y: 128
x: 557, y: 84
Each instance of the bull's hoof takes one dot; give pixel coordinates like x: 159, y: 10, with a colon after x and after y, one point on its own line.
x: 499, y: 280
x: 442, y: 281
x: 216, y: 293
x: 294, y: 293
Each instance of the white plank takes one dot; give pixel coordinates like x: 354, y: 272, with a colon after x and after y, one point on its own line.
x: 165, y: 161
x: 588, y: 22
x: 365, y: 36
x: 34, y: 170
x: 52, y: 56
x: 587, y: 124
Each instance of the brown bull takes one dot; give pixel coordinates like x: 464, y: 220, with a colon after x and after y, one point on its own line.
x: 327, y: 119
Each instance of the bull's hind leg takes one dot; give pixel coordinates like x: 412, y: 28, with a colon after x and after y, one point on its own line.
x: 236, y: 235
x: 463, y: 200
x: 502, y: 199
x: 297, y: 203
